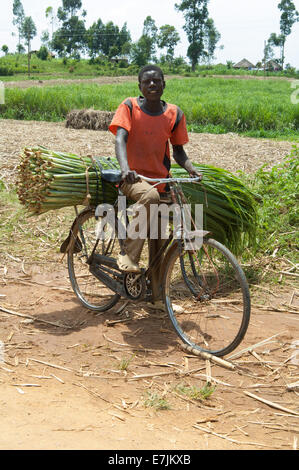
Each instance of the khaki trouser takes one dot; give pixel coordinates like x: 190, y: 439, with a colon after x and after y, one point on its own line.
x: 145, y: 194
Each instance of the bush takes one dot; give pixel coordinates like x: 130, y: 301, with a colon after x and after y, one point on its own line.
x: 43, y: 53
x: 278, y: 214
x: 5, y: 71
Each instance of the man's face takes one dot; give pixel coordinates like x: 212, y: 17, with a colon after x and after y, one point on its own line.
x: 152, y: 85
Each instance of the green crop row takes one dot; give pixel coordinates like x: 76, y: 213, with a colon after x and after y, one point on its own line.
x: 210, y: 104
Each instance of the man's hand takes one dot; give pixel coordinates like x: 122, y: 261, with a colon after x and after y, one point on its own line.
x: 181, y: 158
x: 130, y: 177
x: 193, y: 172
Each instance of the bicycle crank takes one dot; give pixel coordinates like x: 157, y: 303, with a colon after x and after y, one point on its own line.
x: 135, y: 285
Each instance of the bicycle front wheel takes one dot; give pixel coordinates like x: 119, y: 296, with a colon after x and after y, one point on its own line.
x: 207, y: 298
x: 92, y: 294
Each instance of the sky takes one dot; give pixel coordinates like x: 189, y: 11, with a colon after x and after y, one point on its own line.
x: 244, y: 25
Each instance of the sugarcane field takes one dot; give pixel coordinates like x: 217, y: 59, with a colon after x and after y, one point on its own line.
x: 73, y: 378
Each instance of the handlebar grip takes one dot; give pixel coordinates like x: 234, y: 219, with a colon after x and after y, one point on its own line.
x: 170, y: 180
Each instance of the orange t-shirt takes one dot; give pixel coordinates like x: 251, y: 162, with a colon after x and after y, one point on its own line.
x: 149, y: 135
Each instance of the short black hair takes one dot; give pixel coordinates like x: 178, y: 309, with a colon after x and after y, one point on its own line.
x: 148, y: 68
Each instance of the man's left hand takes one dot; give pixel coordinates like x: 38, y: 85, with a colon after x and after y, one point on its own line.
x: 193, y: 172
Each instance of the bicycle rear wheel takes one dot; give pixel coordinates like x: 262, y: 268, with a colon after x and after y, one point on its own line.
x: 93, y: 294
x: 207, y: 298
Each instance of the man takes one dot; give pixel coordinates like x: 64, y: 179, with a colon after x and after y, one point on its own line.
x: 144, y: 126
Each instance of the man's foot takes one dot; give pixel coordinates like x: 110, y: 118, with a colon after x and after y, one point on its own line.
x: 157, y: 305
x: 125, y: 264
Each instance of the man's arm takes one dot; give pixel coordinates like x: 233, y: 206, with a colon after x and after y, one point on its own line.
x: 181, y: 158
x: 128, y: 175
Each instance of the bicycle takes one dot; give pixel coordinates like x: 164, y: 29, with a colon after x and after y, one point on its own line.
x: 205, y: 291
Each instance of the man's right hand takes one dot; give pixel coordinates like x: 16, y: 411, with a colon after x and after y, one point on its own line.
x: 130, y: 177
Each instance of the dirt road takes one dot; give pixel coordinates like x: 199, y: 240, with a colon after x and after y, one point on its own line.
x: 63, y: 387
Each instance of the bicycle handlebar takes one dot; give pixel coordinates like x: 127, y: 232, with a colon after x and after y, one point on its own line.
x: 170, y: 180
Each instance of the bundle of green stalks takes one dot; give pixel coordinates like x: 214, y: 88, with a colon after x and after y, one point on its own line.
x: 49, y: 180
x: 229, y: 206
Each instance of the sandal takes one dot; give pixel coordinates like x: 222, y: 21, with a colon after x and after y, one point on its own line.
x: 159, y: 305
x: 125, y: 264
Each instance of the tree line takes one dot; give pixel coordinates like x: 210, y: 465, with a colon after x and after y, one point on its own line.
x: 69, y: 36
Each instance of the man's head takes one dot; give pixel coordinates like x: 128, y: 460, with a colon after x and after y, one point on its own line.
x: 149, y: 68
x: 151, y: 82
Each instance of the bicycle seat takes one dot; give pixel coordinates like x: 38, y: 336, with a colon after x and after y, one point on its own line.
x: 111, y: 176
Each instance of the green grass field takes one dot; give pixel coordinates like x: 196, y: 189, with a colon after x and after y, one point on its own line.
x: 259, y: 108
x: 15, y: 68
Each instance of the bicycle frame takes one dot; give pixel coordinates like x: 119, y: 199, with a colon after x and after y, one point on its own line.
x: 106, y: 269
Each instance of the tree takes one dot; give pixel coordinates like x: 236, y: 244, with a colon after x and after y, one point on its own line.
x: 288, y: 18
x: 125, y: 40
x: 273, y: 41
x: 19, y: 16
x: 94, y: 38
x: 268, y: 53
x: 141, y: 51
x: 168, y: 38
x: 21, y: 49
x: 196, y: 16
x: 50, y: 14
x: 107, y: 39
x: 212, y: 38
x: 5, y: 49
x: 150, y: 31
x: 110, y: 39
x: 149, y: 28
x: 70, y: 38
x: 43, y: 53
x: 69, y: 8
x: 28, y: 32
x: 45, y: 38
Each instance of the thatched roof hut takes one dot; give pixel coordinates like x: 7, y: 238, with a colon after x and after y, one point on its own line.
x: 273, y: 65
x: 244, y: 64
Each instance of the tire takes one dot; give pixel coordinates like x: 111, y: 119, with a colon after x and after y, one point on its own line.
x: 207, y: 298
x: 92, y: 294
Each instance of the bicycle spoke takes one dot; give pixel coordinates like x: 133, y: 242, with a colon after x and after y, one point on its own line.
x: 213, y: 299
x: 89, y: 290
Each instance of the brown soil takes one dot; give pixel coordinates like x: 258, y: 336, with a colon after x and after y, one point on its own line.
x: 63, y: 81
x: 62, y: 387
